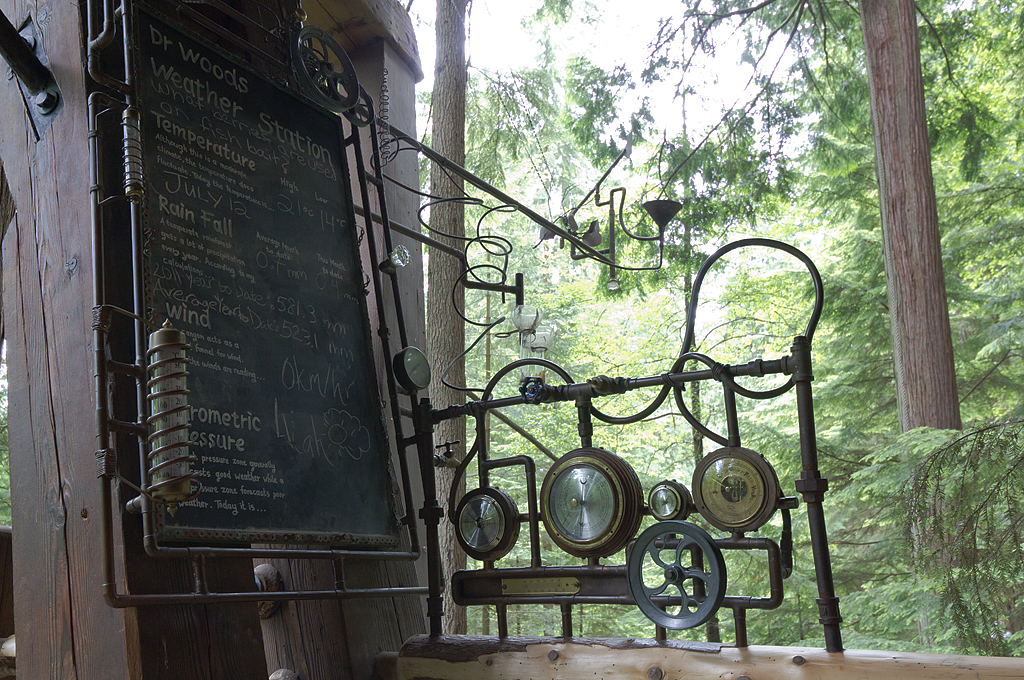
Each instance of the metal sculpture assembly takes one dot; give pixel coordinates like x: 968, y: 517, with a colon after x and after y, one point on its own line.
x: 590, y: 502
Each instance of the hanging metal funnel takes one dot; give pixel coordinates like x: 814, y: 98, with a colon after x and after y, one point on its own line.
x: 662, y: 210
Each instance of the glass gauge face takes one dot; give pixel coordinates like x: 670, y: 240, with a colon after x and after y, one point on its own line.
x: 412, y: 370
x: 481, y: 523
x: 486, y: 524
x: 733, y: 490
x: 664, y: 501
x: 582, y: 503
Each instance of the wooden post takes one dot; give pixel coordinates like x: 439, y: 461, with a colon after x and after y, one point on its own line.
x: 65, y: 629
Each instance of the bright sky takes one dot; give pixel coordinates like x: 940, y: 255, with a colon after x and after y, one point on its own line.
x: 622, y: 35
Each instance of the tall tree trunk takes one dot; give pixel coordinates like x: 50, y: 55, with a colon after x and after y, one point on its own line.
x: 922, y: 343
x: 445, y: 328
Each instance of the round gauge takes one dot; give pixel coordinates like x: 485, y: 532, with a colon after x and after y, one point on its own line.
x: 735, y: 489
x: 487, y: 524
x: 591, y: 502
x: 412, y: 370
x: 669, y: 500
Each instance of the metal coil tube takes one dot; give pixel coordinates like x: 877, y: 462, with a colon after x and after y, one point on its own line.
x: 169, y: 477
x: 134, y: 180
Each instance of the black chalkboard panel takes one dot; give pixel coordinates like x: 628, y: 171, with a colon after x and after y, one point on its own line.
x: 252, y: 251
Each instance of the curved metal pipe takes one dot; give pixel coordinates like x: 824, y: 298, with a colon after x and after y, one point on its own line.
x: 101, y: 41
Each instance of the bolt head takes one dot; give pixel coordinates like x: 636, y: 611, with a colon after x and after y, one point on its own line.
x: 46, y: 101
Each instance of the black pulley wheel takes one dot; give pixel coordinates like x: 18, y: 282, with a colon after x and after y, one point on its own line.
x: 324, y: 69
x: 669, y: 565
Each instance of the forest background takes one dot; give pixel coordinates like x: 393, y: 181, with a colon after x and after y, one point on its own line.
x: 757, y: 120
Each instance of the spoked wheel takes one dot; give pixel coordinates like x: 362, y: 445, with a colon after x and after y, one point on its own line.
x: 676, y: 574
x: 325, y: 70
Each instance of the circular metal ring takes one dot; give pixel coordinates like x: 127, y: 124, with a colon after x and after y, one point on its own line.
x: 663, y: 559
x: 601, y: 524
x: 735, y: 489
x: 486, y: 524
x: 324, y: 69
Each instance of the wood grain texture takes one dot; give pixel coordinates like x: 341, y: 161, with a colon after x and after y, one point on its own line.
x: 926, y: 391
x: 48, y: 295
x: 483, y: 659
x: 307, y: 637
x: 357, y: 22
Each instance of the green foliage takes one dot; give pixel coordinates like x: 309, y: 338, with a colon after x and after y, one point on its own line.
x: 961, y: 510
x: 925, y: 528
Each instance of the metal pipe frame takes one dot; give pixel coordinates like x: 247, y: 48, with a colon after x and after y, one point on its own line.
x: 104, y: 367
x: 810, y: 484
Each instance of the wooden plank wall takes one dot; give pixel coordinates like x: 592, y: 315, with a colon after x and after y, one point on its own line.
x: 48, y: 301
x: 339, y: 641
x: 65, y: 629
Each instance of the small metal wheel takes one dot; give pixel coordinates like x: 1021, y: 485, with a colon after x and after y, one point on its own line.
x: 669, y: 562
x: 322, y: 66
x: 361, y: 113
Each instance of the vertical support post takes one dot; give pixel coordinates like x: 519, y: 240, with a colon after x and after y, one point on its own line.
x: 584, y: 425
x: 812, y: 486
x: 566, y: 620
x: 431, y: 513
x: 501, y: 611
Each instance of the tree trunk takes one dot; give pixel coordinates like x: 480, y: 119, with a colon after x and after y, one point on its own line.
x: 445, y: 328
x: 922, y: 343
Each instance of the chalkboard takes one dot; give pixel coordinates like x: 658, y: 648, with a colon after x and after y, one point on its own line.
x: 252, y: 251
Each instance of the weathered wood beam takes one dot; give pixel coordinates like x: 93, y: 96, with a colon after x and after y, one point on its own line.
x: 488, y: 658
x: 358, y: 22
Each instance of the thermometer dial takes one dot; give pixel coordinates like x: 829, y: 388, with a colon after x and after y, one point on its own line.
x: 735, y: 489
x: 487, y: 524
x: 591, y: 503
x: 669, y: 500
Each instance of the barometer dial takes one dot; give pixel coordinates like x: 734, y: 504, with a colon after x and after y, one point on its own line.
x: 591, y: 502
x: 735, y: 489
x: 487, y: 524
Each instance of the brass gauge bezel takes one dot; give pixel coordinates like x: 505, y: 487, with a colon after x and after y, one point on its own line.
x: 683, y: 501
x: 620, y: 509
x: 493, y: 506
x: 751, y: 475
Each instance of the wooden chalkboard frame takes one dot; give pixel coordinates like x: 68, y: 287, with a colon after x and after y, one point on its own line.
x: 288, y: 417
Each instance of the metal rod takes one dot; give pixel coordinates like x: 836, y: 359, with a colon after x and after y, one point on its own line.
x: 19, y: 55
x: 469, y: 177
x: 501, y: 613
x: 813, y: 487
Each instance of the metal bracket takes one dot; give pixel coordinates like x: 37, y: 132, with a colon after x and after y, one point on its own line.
x: 23, y: 52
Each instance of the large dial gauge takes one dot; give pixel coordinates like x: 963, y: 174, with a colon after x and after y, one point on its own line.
x: 487, y: 524
x: 591, y: 502
x: 735, y: 489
